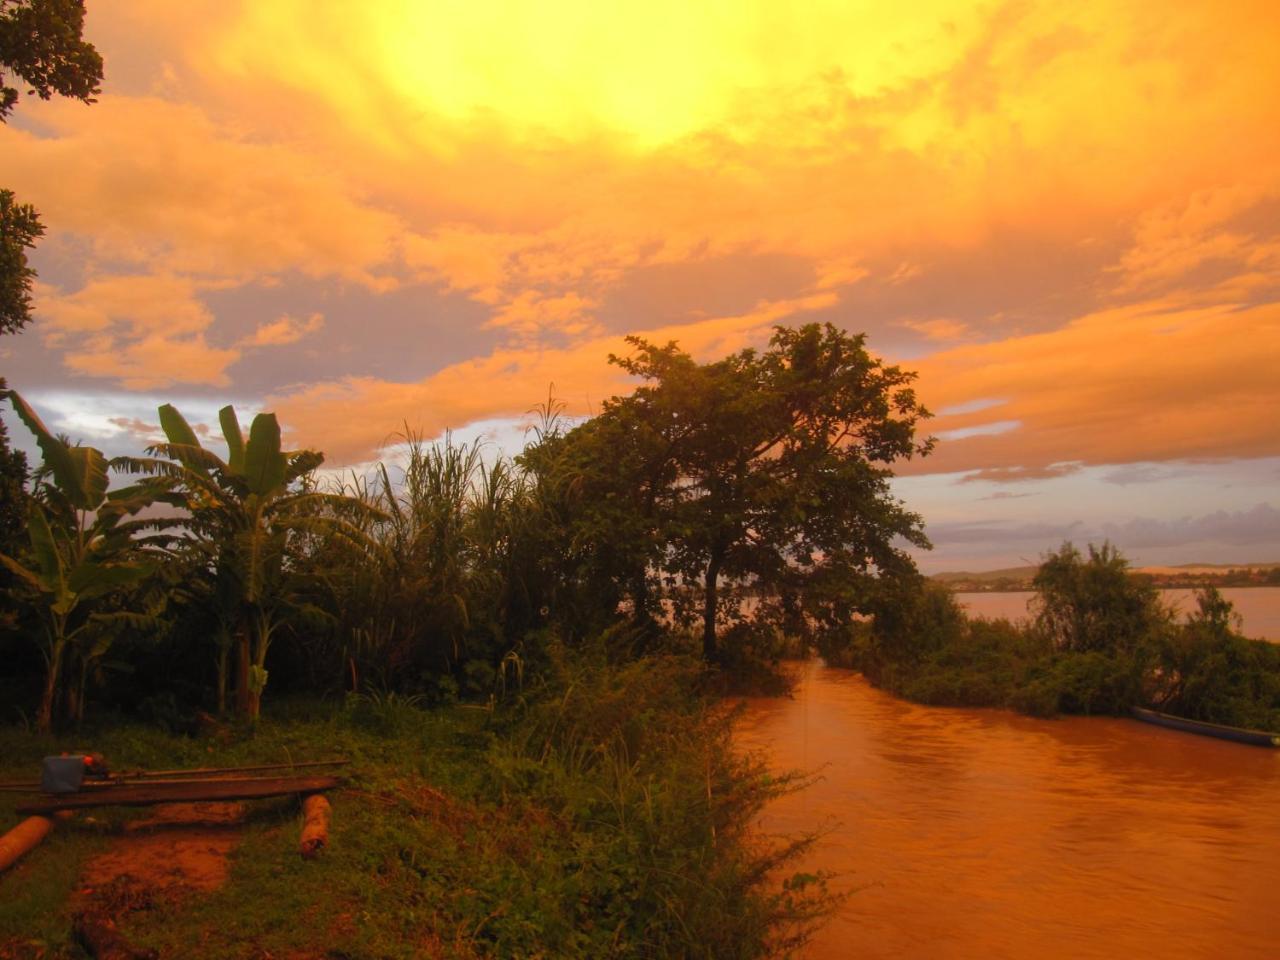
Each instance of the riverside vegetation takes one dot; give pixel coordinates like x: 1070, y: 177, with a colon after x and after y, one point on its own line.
x: 1100, y: 642
x: 524, y: 657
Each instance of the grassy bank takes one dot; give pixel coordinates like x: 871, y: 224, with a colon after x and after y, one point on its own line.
x: 604, y: 814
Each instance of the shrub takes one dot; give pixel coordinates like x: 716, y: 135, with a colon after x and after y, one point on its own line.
x: 1096, y: 604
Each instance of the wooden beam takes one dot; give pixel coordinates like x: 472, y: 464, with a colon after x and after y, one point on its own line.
x: 144, y: 795
x: 33, y: 786
x: 223, y: 771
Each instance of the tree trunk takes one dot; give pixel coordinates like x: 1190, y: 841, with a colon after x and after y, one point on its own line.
x: 44, y: 714
x: 75, y: 712
x: 224, y: 655
x: 710, y: 652
x: 243, y: 693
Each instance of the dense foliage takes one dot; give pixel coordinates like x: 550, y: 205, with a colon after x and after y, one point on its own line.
x: 1101, y: 642
x: 754, y: 488
x: 741, y: 505
x: 42, y: 45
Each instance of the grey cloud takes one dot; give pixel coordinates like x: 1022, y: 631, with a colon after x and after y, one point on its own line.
x: 1254, y: 527
x: 1048, y: 534
x: 1140, y: 473
x: 1259, y: 525
x: 1019, y: 474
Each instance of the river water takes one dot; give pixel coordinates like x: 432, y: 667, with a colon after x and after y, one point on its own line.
x: 1259, y: 607
x: 985, y: 834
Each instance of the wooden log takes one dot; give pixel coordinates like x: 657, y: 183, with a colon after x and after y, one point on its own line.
x: 22, y: 839
x: 144, y: 795
x: 315, y: 824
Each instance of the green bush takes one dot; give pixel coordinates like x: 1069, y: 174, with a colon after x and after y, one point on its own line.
x: 1207, y: 671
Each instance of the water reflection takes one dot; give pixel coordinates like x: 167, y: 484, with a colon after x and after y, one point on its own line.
x: 980, y: 833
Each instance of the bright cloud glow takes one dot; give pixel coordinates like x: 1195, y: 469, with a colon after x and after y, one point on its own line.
x: 1065, y: 217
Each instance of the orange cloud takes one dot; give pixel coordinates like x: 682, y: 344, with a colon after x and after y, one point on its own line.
x: 508, y: 382
x: 525, y: 157
x: 145, y: 331
x: 283, y: 331
x: 160, y: 185
x: 154, y: 362
x: 530, y: 314
x: 939, y: 328
x: 1151, y: 382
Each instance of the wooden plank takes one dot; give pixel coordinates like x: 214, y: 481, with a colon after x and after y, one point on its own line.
x: 222, y: 771
x: 33, y: 786
x: 144, y: 795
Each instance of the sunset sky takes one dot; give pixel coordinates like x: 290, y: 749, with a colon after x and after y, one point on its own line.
x: 1066, y: 217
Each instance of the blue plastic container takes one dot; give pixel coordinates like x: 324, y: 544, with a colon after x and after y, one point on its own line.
x: 62, y: 774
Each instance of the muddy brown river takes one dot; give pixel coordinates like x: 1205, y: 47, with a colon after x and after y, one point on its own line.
x: 984, y: 834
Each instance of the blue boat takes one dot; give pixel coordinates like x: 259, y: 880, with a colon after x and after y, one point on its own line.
x: 1259, y: 738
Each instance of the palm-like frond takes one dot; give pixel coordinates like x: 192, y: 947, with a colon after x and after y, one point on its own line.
x: 190, y: 456
x: 300, y: 463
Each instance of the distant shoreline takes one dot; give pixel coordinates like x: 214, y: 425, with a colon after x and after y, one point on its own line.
x: 1190, y: 576
x: 961, y: 587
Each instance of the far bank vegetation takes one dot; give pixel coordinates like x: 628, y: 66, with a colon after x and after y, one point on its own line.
x: 1100, y: 641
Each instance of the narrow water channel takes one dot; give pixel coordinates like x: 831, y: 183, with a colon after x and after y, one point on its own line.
x: 981, y: 833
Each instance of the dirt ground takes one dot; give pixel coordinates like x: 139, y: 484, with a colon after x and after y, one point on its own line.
x: 181, y: 846
x: 178, y: 851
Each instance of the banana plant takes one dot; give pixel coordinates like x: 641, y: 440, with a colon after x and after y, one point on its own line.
x: 245, y: 513
x: 84, y: 549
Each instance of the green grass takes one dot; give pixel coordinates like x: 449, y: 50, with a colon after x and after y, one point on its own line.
x: 604, y: 815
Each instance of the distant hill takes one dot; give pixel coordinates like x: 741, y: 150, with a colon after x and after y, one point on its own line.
x: 1005, y: 573
x: 1195, y: 568
x: 1182, y: 575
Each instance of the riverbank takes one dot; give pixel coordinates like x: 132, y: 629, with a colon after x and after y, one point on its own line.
x: 1101, y: 643
x: 607, y: 817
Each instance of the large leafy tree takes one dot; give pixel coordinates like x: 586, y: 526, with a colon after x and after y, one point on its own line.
x: 601, y: 534
x: 82, y: 552
x: 761, y: 477
x: 19, y: 229
x: 245, y: 515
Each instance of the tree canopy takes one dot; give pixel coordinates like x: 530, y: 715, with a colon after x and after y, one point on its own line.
x: 759, y: 482
x: 42, y: 44
x: 19, y: 229
x: 1095, y: 603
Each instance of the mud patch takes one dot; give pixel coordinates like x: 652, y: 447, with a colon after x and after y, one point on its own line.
x: 179, y: 850
x: 180, y: 847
